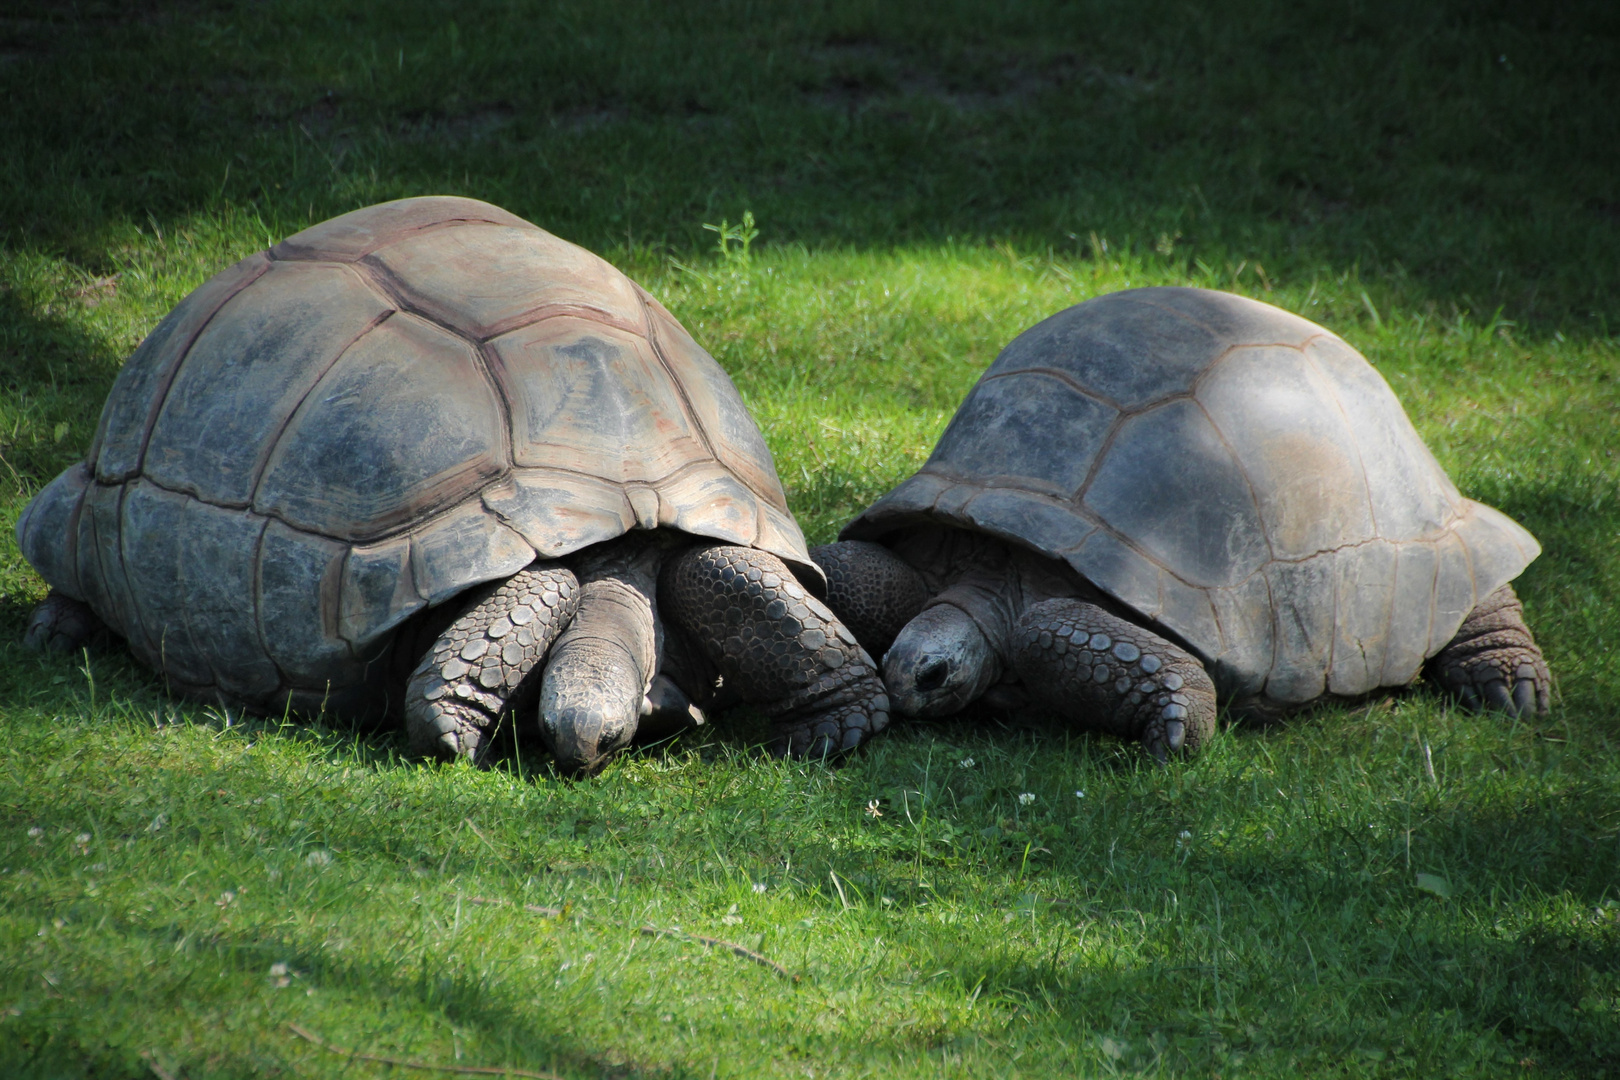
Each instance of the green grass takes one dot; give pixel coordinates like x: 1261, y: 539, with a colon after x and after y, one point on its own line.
x: 1436, y: 182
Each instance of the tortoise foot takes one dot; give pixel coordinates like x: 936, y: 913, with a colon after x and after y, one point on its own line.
x: 1112, y: 675
x: 464, y: 682
x: 775, y: 645
x: 1494, y: 662
x: 62, y: 624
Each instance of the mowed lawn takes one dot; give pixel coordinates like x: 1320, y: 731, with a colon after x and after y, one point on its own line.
x: 1384, y: 887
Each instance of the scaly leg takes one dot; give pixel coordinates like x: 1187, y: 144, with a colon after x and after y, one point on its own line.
x: 61, y: 624
x: 464, y: 681
x: 872, y: 589
x: 1494, y: 662
x: 777, y: 646
x: 1112, y: 675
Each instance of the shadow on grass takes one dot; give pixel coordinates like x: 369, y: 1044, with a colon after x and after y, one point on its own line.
x: 1455, y: 155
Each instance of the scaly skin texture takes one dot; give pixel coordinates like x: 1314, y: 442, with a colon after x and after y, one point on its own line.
x: 464, y: 682
x: 1494, y: 662
x: 62, y: 624
x: 1115, y: 676
x: 777, y: 646
x: 875, y: 593
x: 601, y: 668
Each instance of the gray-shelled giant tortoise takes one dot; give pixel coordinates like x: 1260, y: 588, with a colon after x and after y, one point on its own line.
x: 430, y: 435
x: 1164, y: 495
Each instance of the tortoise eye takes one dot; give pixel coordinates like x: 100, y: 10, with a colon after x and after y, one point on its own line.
x: 931, y: 676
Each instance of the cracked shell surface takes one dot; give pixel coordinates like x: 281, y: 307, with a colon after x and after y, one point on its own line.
x: 1230, y: 471
x: 376, y: 415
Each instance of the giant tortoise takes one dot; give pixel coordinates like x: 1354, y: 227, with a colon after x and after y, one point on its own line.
x: 428, y: 435
x: 1167, y: 495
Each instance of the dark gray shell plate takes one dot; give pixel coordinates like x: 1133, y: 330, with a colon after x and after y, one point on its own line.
x: 373, y: 416
x: 1231, y: 471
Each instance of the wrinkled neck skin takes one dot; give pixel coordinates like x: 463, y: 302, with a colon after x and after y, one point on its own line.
x: 957, y: 649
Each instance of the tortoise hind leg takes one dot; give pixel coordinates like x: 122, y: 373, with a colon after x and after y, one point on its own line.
x: 62, y: 624
x: 462, y: 684
x: 1494, y: 662
x: 1114, y: 676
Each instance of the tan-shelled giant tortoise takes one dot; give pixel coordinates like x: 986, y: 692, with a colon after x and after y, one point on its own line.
x: 408, y: 456
x: 1166, y: 496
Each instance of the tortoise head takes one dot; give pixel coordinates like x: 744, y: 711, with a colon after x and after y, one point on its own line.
x: 940, y: 663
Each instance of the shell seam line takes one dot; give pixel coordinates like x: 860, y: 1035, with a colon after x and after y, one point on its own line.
x: 1248, y: 483
x: 1350, y: 427
x: 653, y: 339
x: 258, y: 608
x: 161, y: 398
x: 327, y: 255
x: 134, y: 611
x: 1061, y: 376
x: 274, y: 442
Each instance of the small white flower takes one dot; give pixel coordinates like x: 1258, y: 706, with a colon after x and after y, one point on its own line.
x: 36, y: 832
x: 1186, y: 834
x: 1026, y: 798
x: 226, y: 898
x: 319, y: 857
x: 759, y: 886
x: 872, y: 809
x: 967, y: 763
x: 82, y: 838
x: 280, y: 976
x: 1079, y: 794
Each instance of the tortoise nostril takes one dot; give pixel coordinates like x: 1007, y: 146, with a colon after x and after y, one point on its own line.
x: 931, y: 676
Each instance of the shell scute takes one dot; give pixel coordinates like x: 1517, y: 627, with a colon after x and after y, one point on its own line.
x: 218, y: 558
x: 356, y: 234
x: 1171, y: 484
x: 1416, y: 564
x: 707, y: 391
x: 1365, y: 581
x: 101, y: 563
x: 378, y: 591
x: 246, y: 373
x: 1101, y: 349
x: 151, y: 535
x: 1004, y: 433
x: 593, y: 399
x: 299, y: 585
x: 464, y: 543
x: 559, y: 512
x: 1302, y: 627
x: 404, y: 423
x: 138, y: 391
x: 485, y: 280
x: 1307, y: 476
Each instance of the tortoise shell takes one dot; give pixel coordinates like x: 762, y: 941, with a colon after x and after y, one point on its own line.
x: 373, y: 416
x: 1229, y: 471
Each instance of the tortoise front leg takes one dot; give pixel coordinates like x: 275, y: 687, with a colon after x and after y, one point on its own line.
x: 1494, y: 662
x: 777, y: 646
x: 872, y: 589
x: 1112, y: 675
x: 464, y: 681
